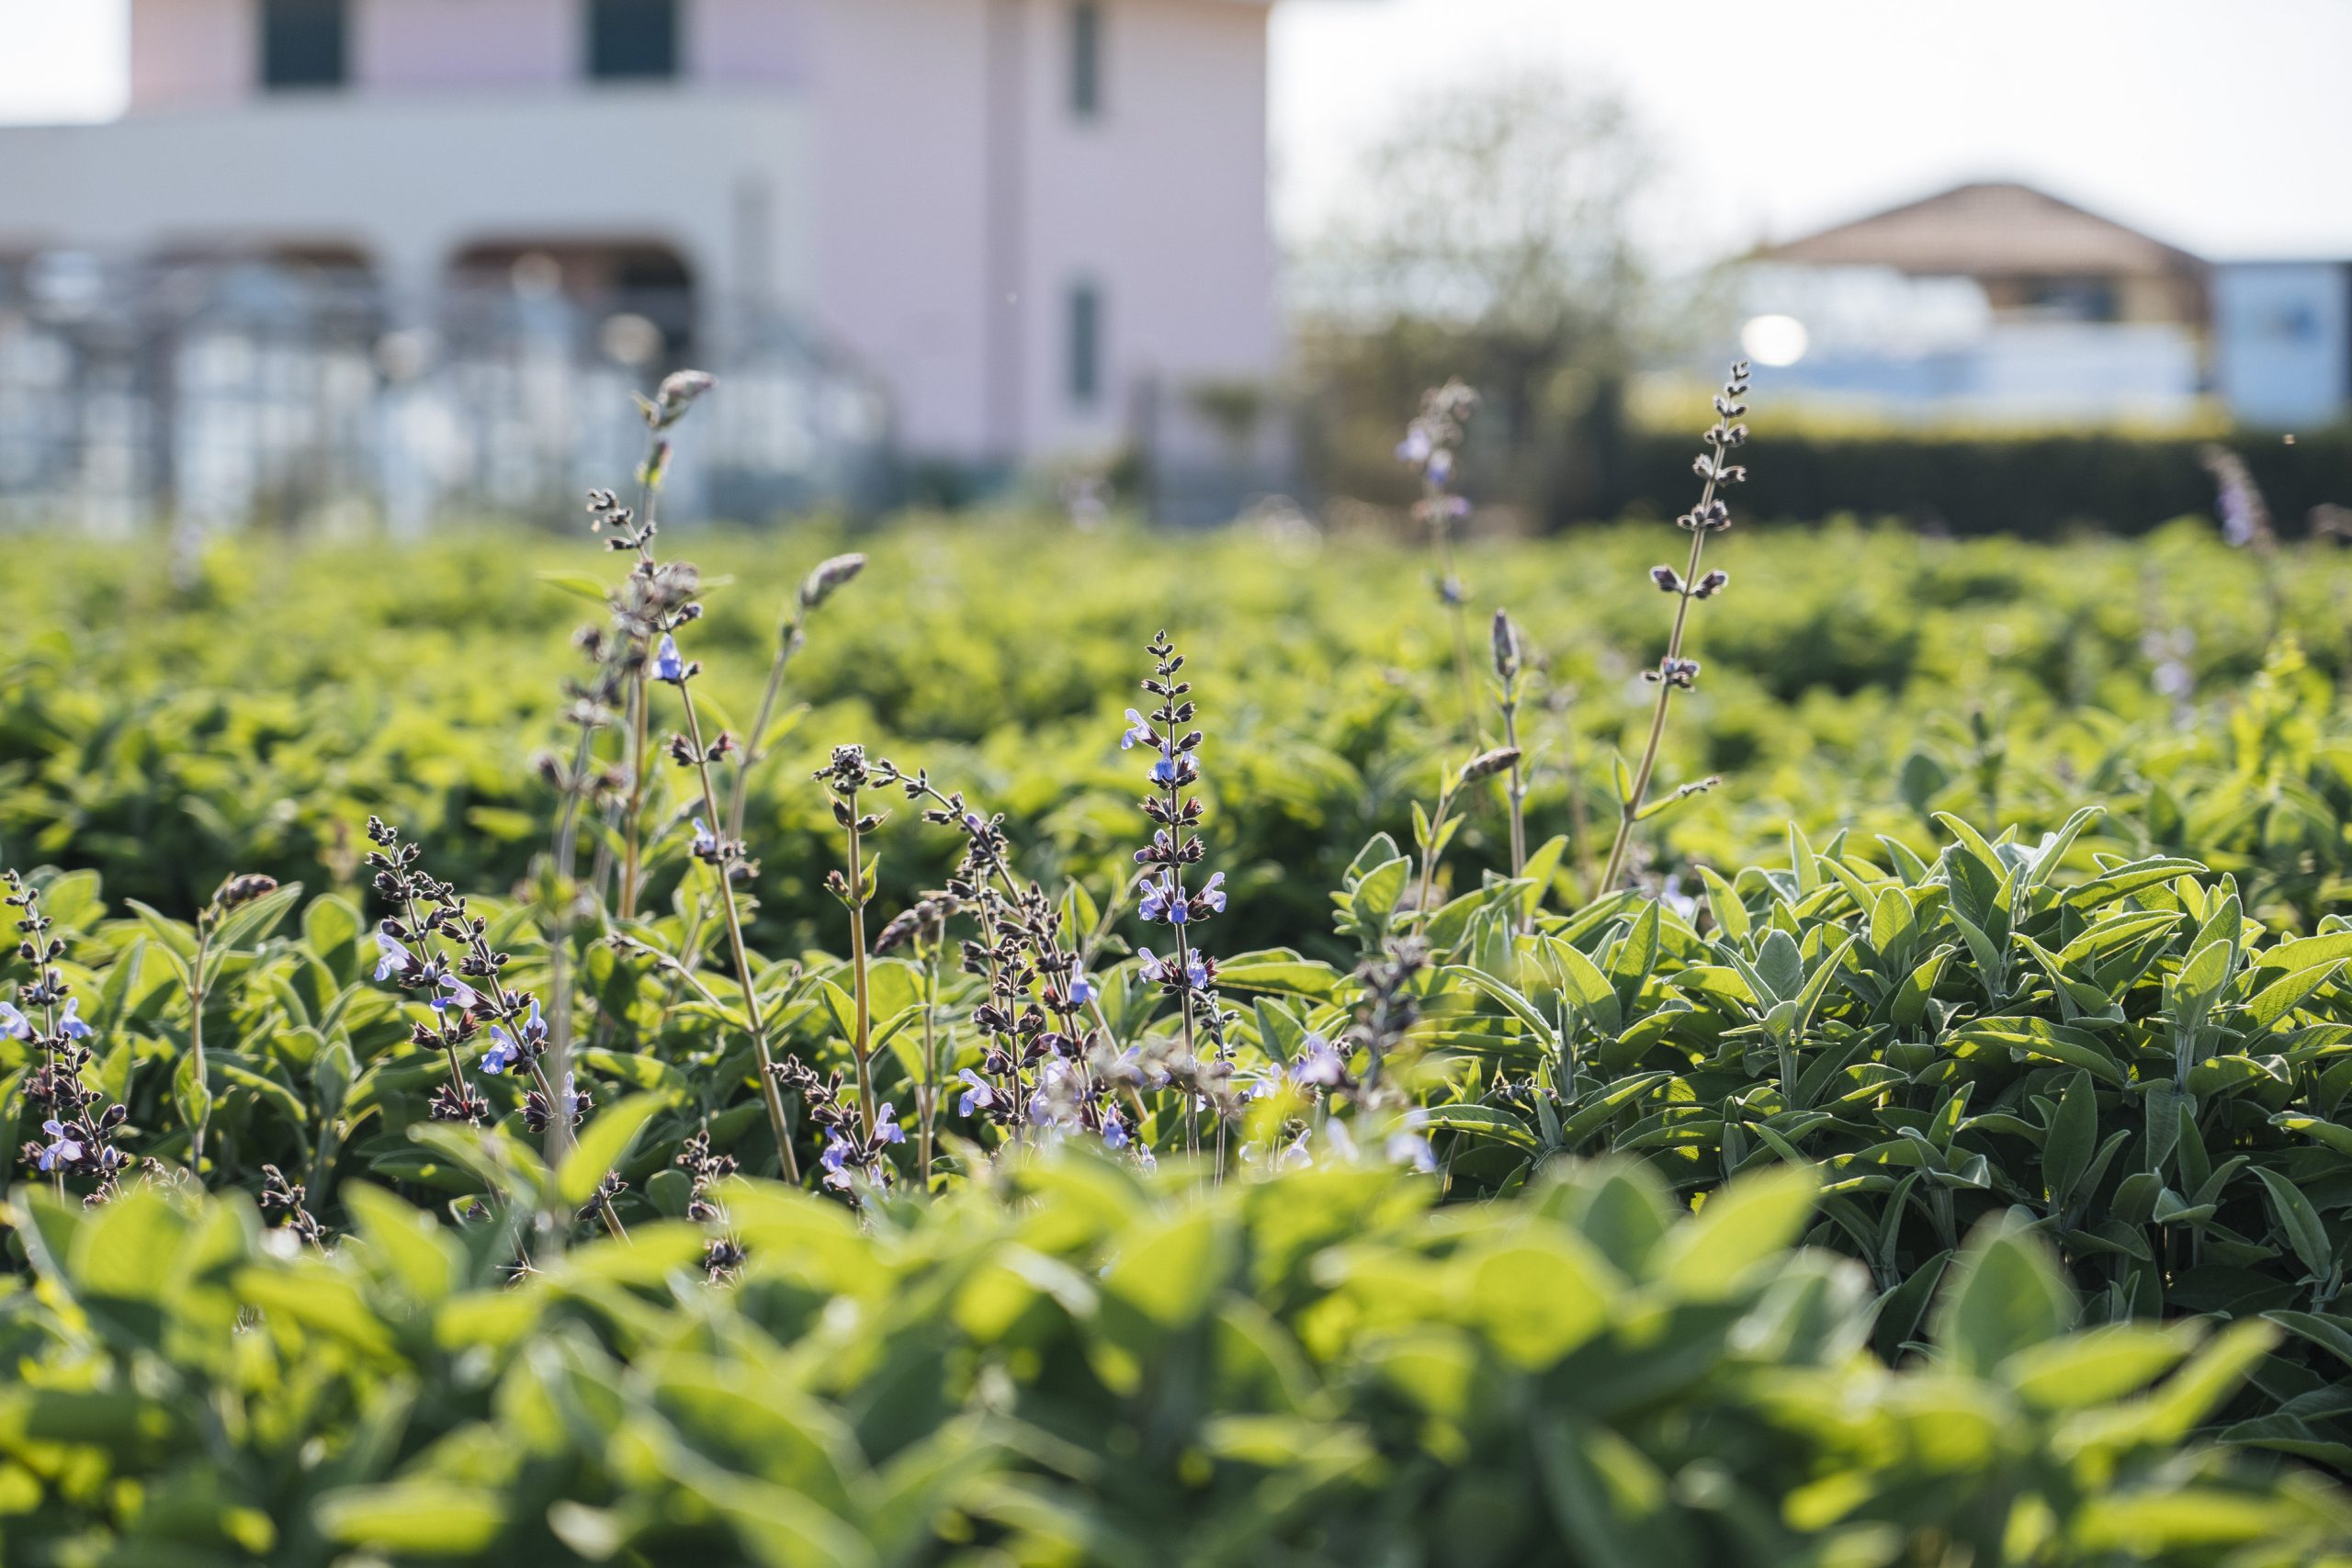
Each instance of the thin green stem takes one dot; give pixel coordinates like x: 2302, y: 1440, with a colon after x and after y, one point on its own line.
x: 1432, y: 851
x: 861, y: 1043
x: 195, y: 1044
x: 1450, y: 589
x: 1631, y: 808
x: 755, y: 746
x: 1518, y: 785
x: 769, y: 1089
x: 640, y: 705
x: 927, y: 1098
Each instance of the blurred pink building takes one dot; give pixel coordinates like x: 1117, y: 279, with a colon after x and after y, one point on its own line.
x: 1019, y: 216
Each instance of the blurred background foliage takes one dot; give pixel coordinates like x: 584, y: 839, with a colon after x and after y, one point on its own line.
x: 168, y: 729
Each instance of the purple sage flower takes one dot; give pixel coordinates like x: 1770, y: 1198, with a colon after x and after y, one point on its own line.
x: 391, y: 957
x: 61, y: 1150
x: 503, y: 1052
x: 457, y: 994
x: 1319, y: 1063
x: 1211, y: 896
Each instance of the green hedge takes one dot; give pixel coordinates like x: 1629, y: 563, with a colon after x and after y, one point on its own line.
x: 2028, y: 487
x: 1073, y: 1365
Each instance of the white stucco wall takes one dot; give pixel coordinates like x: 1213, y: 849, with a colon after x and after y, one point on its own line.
x: 411, y: 180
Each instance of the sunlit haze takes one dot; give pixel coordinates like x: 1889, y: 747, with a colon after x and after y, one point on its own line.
x: 2224, y: 128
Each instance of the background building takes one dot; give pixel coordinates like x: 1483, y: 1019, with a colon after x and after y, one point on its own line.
x: 2001, y: 302
x: 998, y: 230
x: 1995, y: 300
x: 2283, y: 341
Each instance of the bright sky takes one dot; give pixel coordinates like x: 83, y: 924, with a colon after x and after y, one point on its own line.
x: 2222, y: 125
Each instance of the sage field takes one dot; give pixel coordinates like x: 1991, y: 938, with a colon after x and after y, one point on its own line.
x: 981, y: 1040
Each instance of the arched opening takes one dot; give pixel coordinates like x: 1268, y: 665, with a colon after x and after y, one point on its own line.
x: 634, y: 299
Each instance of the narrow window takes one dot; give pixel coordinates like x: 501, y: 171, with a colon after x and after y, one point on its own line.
x: 632, y: 39
x: 1086, y: 60
x: 302, y: 44
x: 1085, y: 344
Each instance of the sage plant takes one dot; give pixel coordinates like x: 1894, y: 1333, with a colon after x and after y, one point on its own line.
x: 1175, y: 814
x: 1429, y: 448
x: 232, y: 894
x: 2246, y: 523
x: 77, y: 1134
x: 1675, y: 672
x: 1040, y: 1071
x: 432, y: 942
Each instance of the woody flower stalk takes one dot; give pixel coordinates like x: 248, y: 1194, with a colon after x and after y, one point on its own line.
x: 649, y: 600
x: 667, y: 405
x: 845, y: 775
x: 1675, y: 672
x: 924, y: 926
x: 1429, y: 448
x: 77, y: 1137
x: 232, y: 894
x: 1175, y: 844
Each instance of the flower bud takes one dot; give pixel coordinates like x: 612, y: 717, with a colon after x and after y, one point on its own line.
x: 1667, y: 579
x: 245, y: 889
x: 829, y: 575
x: 1711, y: 584
x: 675, y: 395
x: 1505, y: 638
x: 1487, y: 764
